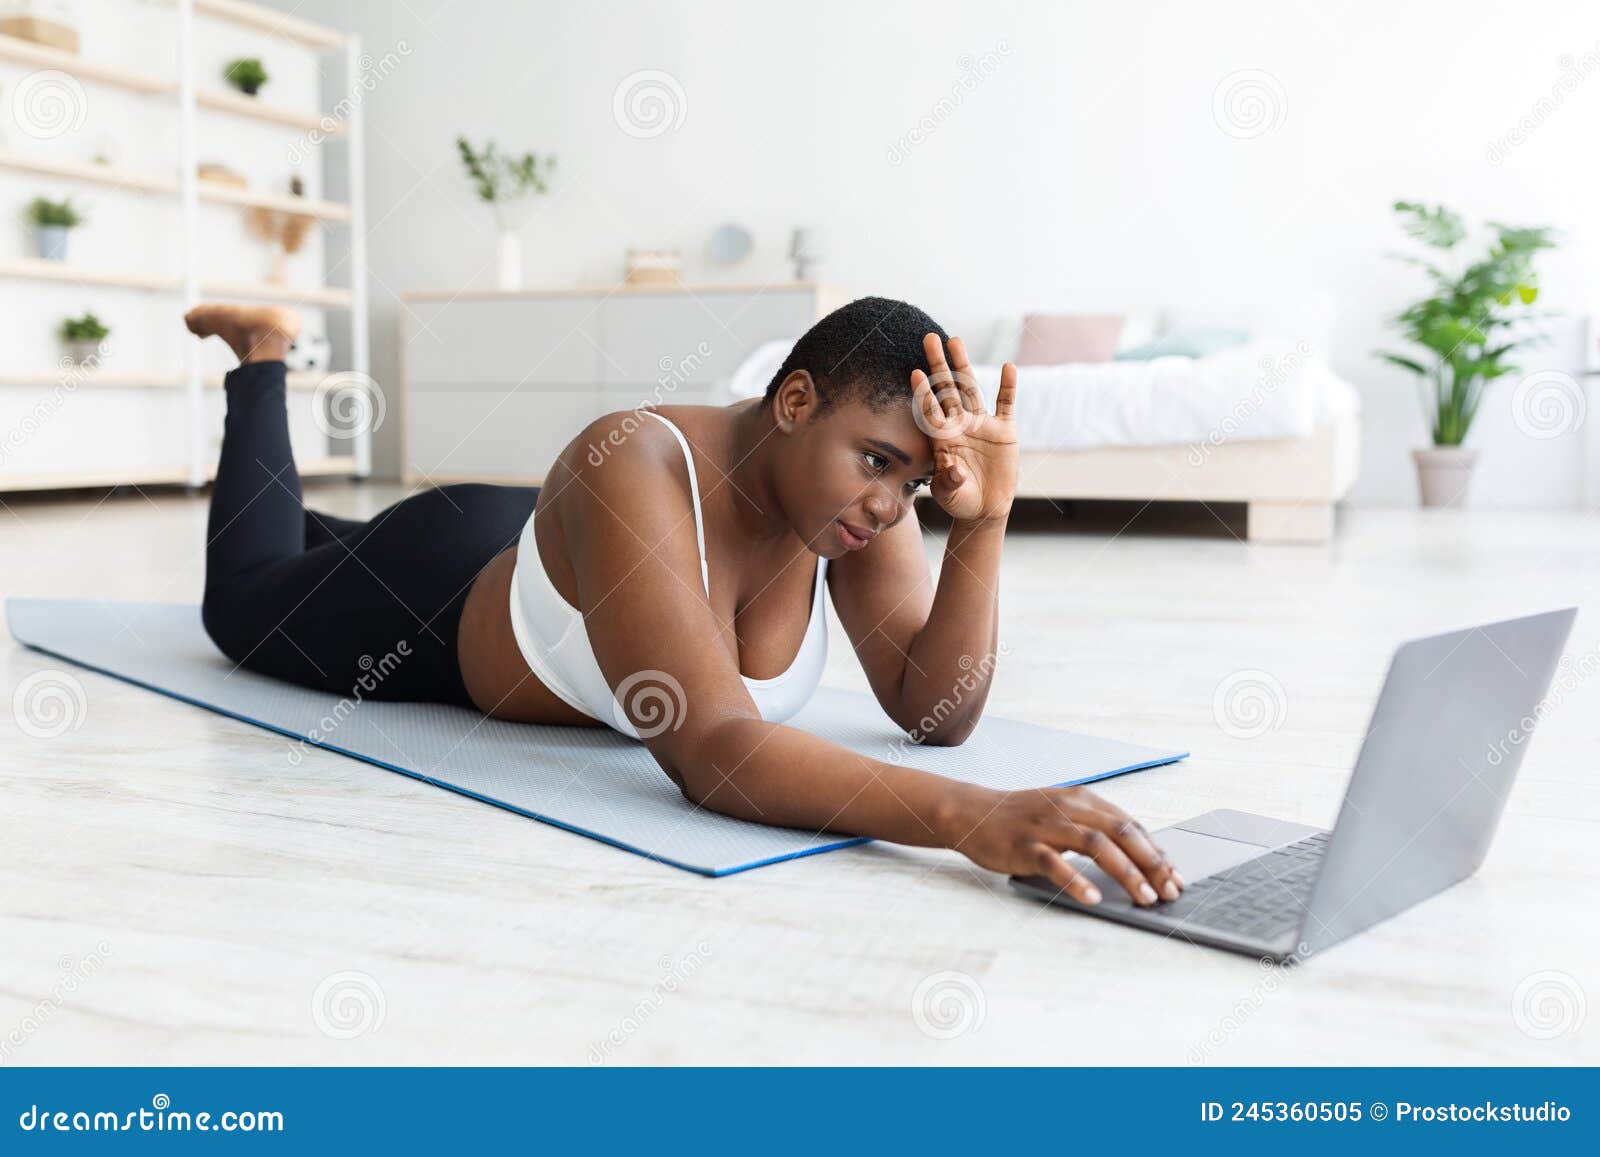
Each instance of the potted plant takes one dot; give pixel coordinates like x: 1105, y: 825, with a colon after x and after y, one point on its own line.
x: 82, y: 337
x: 1462, y: 329
x: 52, y: 222
x: 247, y: 74
x: 508, y: 184
x: 284, y: 232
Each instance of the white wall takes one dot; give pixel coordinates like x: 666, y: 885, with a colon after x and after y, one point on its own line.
x: 1087, y: 169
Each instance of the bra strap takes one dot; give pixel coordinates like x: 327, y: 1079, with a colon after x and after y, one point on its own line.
x: 694, y: 490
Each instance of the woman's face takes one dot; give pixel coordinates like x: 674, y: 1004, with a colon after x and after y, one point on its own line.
x: 849, y: 471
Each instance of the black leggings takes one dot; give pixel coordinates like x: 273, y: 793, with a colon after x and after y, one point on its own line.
x: 366, y: 608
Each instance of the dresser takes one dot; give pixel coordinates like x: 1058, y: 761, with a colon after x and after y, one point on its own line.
x: 494, y: 384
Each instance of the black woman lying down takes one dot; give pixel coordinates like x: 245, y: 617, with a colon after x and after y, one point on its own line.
x: 692, y: 550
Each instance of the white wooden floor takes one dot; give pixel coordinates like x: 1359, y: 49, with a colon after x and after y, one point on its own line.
x: 172, y: 890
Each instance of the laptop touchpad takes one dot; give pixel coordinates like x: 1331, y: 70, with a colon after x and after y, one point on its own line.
x: 1198, y: 856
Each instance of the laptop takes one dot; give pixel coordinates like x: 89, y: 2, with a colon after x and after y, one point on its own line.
x: 1447, y: 735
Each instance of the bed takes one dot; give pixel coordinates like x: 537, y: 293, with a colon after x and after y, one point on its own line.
x: 1264, y: 423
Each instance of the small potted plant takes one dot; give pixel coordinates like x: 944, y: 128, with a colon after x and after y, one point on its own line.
x: 508, y: 185
x: 1462, y: 329
x: 82, y: 337
x: 247, y: 74
x: 52, y: 222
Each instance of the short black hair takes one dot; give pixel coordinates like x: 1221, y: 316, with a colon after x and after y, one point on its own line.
x: 866, y: 349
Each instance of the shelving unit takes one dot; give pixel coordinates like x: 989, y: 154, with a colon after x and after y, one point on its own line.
x: 332, y: 466
x: 113, y: 379
x: 182, y: 95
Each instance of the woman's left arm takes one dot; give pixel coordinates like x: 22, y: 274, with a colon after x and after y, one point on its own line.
x: 930, y: 654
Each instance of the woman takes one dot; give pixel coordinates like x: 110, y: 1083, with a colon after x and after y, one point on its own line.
x: 668, y: 582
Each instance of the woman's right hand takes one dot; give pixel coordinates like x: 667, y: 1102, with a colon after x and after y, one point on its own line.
x: 1024, y: 833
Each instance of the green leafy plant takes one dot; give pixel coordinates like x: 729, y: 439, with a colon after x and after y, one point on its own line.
x: 247, y: 74
x: 44, y: 212
x: 1461, y: 327
x: 498, y: 177
x: 85, y: 328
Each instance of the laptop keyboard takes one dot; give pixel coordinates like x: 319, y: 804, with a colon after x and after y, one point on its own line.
x: 1260, y: 898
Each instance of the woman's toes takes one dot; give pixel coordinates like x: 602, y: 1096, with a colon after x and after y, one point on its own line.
x: 253, y: 332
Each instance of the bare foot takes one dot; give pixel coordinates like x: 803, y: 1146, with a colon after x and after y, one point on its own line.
x: 255, y: 333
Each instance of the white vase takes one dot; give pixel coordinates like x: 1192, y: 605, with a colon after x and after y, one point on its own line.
x: 1443, y: 474
x: 508, y: 261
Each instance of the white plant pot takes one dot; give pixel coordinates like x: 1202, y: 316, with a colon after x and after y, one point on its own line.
x: 508, y: 261
x: 1444, y: 473
x: 50, y: 241
x: 83, y: 352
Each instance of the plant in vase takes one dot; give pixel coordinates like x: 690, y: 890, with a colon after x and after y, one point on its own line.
x: 247, y: 74
x: 1466, y: 329
x: 82, y: 337
x: 284, y: 232
x: 53, y: 222
x: 509, y: 185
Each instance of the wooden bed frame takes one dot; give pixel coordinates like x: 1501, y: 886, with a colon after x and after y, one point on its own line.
x: 1289, y: 485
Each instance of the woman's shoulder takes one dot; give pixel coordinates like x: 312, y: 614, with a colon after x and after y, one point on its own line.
x: 622, y: 436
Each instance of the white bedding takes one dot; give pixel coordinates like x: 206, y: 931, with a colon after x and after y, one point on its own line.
x: 1254, y: 391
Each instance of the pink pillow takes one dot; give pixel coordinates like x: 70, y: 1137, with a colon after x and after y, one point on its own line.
x: 1050, y: 339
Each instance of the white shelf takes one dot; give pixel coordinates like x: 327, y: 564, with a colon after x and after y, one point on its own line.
x: 113, y: 175
x: 221, y: 193
x: 222, y: 100
x: 325, y: 296
x: 216, y: 192
x: 297, y: 381
x: 155, y: 475
x: 65, y: 273
x: 92, y: 379
x: 303, y: 32
x: 39, y: 56
x: 131, y: 380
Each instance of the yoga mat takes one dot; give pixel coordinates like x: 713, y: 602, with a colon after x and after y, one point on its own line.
x: 592, y: 781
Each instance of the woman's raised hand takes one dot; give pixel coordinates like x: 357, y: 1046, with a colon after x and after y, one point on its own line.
x: 975, y: 452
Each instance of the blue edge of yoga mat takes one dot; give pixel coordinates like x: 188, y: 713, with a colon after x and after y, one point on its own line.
x: 67, y: 629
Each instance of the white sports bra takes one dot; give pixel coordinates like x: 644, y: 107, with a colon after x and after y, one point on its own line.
x: 551, y: 635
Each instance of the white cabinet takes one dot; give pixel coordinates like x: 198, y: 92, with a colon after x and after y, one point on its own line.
x: 494, y: 385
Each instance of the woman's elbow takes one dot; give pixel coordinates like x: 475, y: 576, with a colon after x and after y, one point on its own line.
x: 950, y: 732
